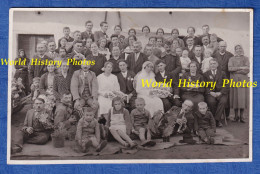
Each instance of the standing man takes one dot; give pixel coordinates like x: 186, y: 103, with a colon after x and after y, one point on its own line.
x: 190, y: 46
x: 198, y: 56
x: 88, y: 33
x: 136, y: 59
x: 205, y: 30
x: 114, y: 59
x: 216, y: 98
x: 205, y: 42
x: 102, y: 32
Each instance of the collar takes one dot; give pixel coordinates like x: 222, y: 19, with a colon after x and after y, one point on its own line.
x: 222, y: 54
x: 64, y: 74
x: 171, y: 53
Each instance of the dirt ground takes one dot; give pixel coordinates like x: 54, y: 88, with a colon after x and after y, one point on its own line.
x: 239, y: 130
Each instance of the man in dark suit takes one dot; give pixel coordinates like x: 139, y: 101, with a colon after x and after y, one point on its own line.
x: 197, y: 56
x: 160, y: 77
x: 36, y: 127
x: 217, y: 97
x: 190, y: 46
x: 36, y: 69
x: 102, y: 32
x: 136, y: 59
x: 125, y: 80
x: 88, y: 33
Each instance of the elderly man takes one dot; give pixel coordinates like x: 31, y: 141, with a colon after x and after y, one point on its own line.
x: 205, y: 42
x: 102, y: 32
x: 136, y: 59
x: 36, y: 70
x: 51, y: 50
x: 84, y: 87
x: 36, y: 127
x: 216, y: 98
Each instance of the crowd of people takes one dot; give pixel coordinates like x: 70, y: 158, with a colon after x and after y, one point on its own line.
x: 107, y: 100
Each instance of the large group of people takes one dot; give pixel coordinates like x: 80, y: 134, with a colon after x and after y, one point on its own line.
x: 94, y: 103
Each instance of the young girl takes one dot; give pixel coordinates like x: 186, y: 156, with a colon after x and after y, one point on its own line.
x: 119, y: 123
x: 207, y: 57
x: 185, y: 61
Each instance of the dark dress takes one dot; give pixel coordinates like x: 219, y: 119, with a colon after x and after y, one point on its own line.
x: 22, y: 72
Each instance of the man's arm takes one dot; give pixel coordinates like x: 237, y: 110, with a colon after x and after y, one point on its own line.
x: 74, y: 86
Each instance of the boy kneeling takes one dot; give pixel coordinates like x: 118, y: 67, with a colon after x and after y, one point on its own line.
x: 88, y: 132
x: 205, y: 124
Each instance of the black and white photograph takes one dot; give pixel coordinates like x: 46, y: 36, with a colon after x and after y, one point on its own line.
x: 96, y: 85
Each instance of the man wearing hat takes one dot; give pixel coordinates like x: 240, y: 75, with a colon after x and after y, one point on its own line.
x: 36, y: 127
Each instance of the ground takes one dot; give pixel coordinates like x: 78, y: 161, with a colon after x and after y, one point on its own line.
x: 239, y: 130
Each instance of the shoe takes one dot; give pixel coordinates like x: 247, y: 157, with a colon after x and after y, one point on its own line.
x: 236, y: 119
x: 133, y: 145
x: 101, y: 146
x: 16, y: 149
x: 219, y: 124
x: 242, y: 121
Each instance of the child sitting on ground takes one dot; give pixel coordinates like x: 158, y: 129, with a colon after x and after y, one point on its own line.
x: 207, y: 57
x: 205, y: 124
x: 185, y: 61
x: 119, y: 123
x: 140, y: 118
x: 88, y: 132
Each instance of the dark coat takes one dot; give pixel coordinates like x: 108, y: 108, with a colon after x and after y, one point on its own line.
x: 173, y: 63
x: 223, y: 61
x: 136, y: 66
x: 126, y: 84
x: 204, y: 122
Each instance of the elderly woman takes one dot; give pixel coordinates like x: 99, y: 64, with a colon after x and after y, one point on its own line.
x: 188, y: 92
x: 22, y: 70
x: 175, y: 36
x: 46, y: 81
x: 107, y: 83
x: 152, y: 103
x: 238, y: 66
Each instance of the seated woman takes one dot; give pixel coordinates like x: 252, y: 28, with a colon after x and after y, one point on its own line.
x: 153, y: 103
x: 189, y: 92
x: 46, y: 81
x: 107, y: 83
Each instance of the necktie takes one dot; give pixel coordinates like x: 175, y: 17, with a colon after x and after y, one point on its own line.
x: 136, y: 57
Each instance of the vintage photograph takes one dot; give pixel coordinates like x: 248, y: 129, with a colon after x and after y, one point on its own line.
x: 130, y: 85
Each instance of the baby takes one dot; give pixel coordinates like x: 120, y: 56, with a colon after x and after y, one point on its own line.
x: 140, y: 118
x: 88, y: 132
x: 185, y: 61
x: 207, y: 57
x: 205, y: 124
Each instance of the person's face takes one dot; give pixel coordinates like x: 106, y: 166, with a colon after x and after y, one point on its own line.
x: 160, y: 33
x: 67, y: 98
x: 193, y: 68
x: 213, y: 38
x: 161, y: 67
x: 63, y: 42
x: 117, y: 105
x: 186, y: 106
x: 78, y: 47
x: 52, y: 46
x: 191, y: 32
x: 122, y: 66
x: 94, y: 48
x: 179, y: 52
x: 85, y: 67
x: 38, y: 105
x: 139, y: 105
x: 21, y: 54
x: 116, y: 51
x: 114, y: 40
x: 175, y: 44
x: 131, y: 33
x: 213, y: 65
x: 62, y: 53
x: 89, y: 116
x: 103, y: 43
x: 207, y: 54
x: 149, y: 51
x: 205, y: 30
x: 41, y: 48
x: 117, y: 30
x: 175, y: 34
x: 146, y: 31
x: 50, y: 68
x: 239, y: 50
x: 104, y: 27
x: 77, y: 36
x: 203, y: 109
x: 108, y: 68
x: 167, y: 48
x: 64, y: 67
x: 152, y: 41
x: 149, y: 68
x: 190, y: 42
x: 185, y: 54
x: 159, y: 42
x: 222, y: 47
x: 137, y: 47
x: 197, y: 51
x: 205, y: 40
x: 66, y: 32
x: 89, y: 26
x: 88, y: 43
x: 131, y: 40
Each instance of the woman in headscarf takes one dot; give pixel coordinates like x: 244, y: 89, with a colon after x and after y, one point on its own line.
x: 22, y: 70
x: 238, y: 66
x: 152, y: 103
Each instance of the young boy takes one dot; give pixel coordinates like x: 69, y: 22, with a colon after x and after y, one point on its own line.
x: 205, y: 124
x: 66, y: 32
x: 140, y: 118
x: 88, y: 132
